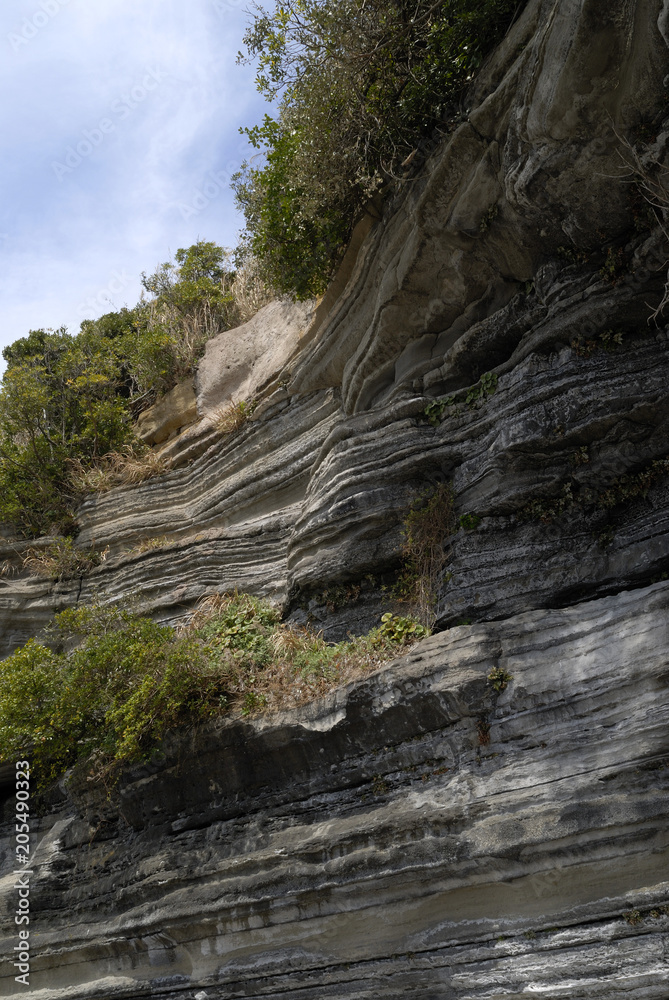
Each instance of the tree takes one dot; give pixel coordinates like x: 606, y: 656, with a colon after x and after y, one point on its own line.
x: 189, y: 302
x: 69, y: 400
x: 360, y: 82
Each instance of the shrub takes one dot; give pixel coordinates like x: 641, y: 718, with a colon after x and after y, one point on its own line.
x: 428, y: 524
x: 60, y: 399
x: 361, y: 85
x: 61, y: 560
x: 232, y: 416
x: 111, y: 698
x: 190, y: 301
x: 115, y: 694
x: 67, y: 402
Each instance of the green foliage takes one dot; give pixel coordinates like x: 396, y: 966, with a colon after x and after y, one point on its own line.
x: 295, y: 242
x: 485, y: 386
x: 622, y: 490
x: 362, y: 85
x: 488, y: 218
x: 114, y: 694
x: 106, y: 684
x: 546, y: 510
x: 191, y: 300
x: 68, y: 401
x: 242, y: 628
x: 60, y: 398
x: 434, y: 412
x: 581, y: 456
x: 607, y: 340
x: 400, y: 629
x: 615, y: 265
x: 498, y: 678
x: 469, y: 521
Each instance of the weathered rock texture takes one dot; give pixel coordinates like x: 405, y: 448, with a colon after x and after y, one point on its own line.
x: 374, y: 844
x: 492, y: 259
x: 170, y: 415
x: 519, y: 248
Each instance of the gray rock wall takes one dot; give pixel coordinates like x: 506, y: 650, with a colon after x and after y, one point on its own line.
x: 492, y: 258
x: 375, y: 844
x: 414, y: 833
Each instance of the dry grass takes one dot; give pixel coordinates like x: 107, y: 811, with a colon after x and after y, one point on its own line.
x: 652, y: 179
x: 429, y: 522
x: 231, y: 416
x: 249, y: 291
x: 147, y: 544
x: 270, y: 666
x: 62, y: 560
x: 117, y: 468
x: 283, y: 685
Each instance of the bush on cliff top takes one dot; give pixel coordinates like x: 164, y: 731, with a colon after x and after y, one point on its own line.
x: 67, y: 401
x: 109, y: 701
x: 361, y: 84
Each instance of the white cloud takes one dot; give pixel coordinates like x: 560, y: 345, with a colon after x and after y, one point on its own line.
x: 139, y: 104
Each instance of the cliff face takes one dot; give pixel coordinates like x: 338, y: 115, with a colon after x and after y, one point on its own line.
x: 377, y: 837
x: 376, y: 845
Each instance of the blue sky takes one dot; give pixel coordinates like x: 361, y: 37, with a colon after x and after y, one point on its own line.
x: 119, y: 131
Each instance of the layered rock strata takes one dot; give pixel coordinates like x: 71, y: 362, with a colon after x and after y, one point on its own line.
x: 415, y: 833
x: 517, y: 250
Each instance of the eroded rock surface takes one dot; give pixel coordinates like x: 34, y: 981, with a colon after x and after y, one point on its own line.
x: 515, y: 250
x: 415, y: 833
x: 376, y: 844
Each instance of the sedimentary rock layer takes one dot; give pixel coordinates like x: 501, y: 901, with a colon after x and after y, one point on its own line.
x: 416, y: 833
x: 518, y: 249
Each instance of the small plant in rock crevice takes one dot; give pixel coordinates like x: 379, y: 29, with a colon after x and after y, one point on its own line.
x: 483, y: 731
x: 429, y: 523
x: 149, y: 545
x: 580, y: 456
x: 486, y: 386
x: 573, y: 256
x: 232, y: 416
x: 434, y: 411
x: 401, y: 629
x: 488, y: 218
x: 623, y: 489
x: 608, y: 340
x: 498, y: 678
x: 61, y: 560
x: 615, y: 265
